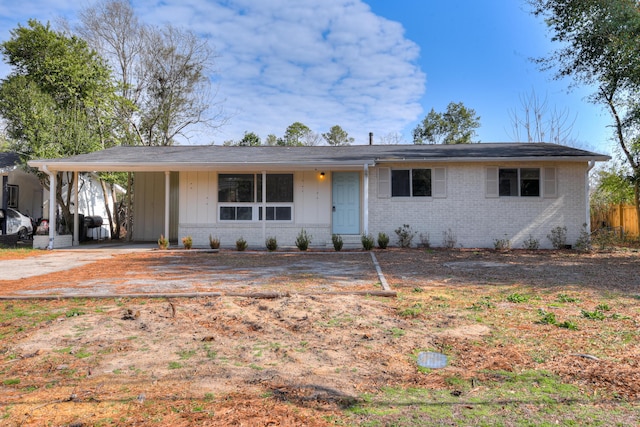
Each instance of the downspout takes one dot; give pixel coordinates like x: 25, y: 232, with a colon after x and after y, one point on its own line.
x: 365, y: 214
x: 592, y: 163
x: 52, y: 205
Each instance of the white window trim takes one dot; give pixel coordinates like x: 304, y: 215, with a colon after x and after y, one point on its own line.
x: 255, y: 206
x: 255, y: 214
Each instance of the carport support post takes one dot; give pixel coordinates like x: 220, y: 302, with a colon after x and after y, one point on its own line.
x: 264, y: 206
x: 5, y: 201
x: 167, y: 202
x: 52, y: 207
x: 76, y: 226
x: 365, y: 214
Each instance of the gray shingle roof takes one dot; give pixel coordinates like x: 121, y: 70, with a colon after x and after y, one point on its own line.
x: 189, y: 156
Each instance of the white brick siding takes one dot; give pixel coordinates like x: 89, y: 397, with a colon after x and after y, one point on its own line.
x: 477, y: 220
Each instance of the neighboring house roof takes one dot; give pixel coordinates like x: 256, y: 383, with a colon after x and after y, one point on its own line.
x: 190, y: 157
x: 8, y: 162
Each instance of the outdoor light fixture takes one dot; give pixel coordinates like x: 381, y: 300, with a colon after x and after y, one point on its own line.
x: 321, y: 175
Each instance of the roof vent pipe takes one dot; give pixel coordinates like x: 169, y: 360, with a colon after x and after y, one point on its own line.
x: 370, y: 138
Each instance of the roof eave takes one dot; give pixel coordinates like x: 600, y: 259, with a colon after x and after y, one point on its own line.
x: 172, y: 166
x: 496, y: 159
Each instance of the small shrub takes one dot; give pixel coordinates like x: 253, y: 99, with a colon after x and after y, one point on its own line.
x: 303, y: 240
x: 271, y: 243
x: 603, y: 307
x: 558, y: 237
x: 241, y: 244
x: 449, y: 239
x: 531, y: 244
x: 162, y: 242
x: 187, y: 242
x: 605, y: 239
x: 425, y: 241
x: 214, y: 242
x: 383, y: 240
x: 502, y: 244
x: 367, y: 242
x: 405, y: 235
x: 337, y: 242
x: 583, y: 243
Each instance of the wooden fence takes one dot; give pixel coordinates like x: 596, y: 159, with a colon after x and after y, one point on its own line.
x: 619, y: 217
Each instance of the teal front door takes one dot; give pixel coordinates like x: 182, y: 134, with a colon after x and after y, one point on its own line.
x: 346, y: 202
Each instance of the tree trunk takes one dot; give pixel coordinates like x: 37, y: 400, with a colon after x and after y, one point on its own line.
x: 107, y: 206
x: 116, y: 207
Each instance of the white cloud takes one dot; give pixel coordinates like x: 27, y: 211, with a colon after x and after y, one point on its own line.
x: 321, y: 62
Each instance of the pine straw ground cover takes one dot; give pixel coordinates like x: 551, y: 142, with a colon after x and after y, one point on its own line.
x: 532, y: 338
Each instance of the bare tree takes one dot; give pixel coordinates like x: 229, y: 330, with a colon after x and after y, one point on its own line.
x: 534, y: 121
x: 392, y: 138
x: 163, y: 74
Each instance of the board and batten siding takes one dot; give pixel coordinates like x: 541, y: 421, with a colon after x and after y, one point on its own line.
x: 466, y: 202
x: 148, y: 214
x: 199, y: 212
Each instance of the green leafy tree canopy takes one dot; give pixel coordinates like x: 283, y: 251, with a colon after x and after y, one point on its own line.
x: 457, y: 125
x: 337, y: 136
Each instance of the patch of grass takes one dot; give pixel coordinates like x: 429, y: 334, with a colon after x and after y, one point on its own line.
x: 568, y: 324
x: 484, y: 304
x: 186, y: 354
x: 527, y: 398
x: 593, y: 315
x: 546, y: 317
x: 74, y: 312
x: 517, y: 298
x: 566, y: 298
x: 82, y: 354
x: 175, y: 365
x: 211, y: 354
x: 338, y: 321
x: 397, y: 332
x: 11, y: 381
x: 413, y: 311
x: 603, y: 307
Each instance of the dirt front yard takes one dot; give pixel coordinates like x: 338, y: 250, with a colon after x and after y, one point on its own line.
x: 531, y: 338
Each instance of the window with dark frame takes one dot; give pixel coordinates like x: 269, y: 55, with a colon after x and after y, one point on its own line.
x: 519, y: 182
x: 411, y: 183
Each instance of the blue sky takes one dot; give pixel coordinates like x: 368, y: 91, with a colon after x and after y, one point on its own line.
x: 366, y: 65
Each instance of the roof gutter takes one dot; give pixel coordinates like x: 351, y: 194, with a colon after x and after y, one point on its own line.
x: 163, y: 166
x: 493, y: 159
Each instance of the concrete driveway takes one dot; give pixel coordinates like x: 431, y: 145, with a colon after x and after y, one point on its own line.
x: 142, y: 270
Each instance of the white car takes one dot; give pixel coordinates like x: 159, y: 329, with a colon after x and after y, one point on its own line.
x: 17, y: 223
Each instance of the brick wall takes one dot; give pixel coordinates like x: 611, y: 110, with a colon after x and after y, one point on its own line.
x: 477, y: 220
